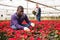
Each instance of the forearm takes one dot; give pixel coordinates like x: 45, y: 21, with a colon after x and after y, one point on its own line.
x: 19, y: 26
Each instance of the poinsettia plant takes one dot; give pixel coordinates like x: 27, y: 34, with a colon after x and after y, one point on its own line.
x: 44, y: 30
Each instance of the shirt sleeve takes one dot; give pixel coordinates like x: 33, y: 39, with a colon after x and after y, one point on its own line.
x: 15, y: 22
x: 27, y: 20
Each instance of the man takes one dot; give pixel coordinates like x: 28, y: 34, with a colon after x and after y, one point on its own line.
x: 18, y: 18
x: 38, y: 13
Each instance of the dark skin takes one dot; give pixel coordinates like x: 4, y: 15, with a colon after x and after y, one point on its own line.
x: 20, y: 12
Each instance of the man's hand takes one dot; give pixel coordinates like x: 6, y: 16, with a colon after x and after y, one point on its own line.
x: 32, y: 24
x: 26, y: 29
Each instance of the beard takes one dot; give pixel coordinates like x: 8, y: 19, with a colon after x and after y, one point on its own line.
x: 19, y: 15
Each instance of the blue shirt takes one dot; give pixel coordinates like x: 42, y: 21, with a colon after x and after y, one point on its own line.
x: 17, y: 21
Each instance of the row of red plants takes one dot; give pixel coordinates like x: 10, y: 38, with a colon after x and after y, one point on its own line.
x: 44, y: 30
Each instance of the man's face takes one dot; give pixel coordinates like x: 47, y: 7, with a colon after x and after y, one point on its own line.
x: 20, y: 12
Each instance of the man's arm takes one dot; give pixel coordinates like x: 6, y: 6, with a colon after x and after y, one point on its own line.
x: 15, y: 22
x: 39, y: 11
x: 27, y: 20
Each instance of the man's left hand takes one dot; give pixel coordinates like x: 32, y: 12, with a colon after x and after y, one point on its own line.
x: 32, y: 24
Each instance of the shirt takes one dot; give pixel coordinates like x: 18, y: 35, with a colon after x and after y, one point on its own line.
x: 38, y: 11
x: 17, y: 21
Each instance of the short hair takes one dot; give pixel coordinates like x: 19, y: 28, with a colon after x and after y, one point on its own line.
x: 20, y: 7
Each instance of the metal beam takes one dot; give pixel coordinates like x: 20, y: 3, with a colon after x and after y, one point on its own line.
x: 56, y: 6
x: 44, y: 5
x: 12, y: 6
